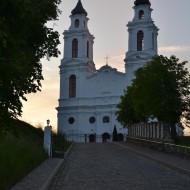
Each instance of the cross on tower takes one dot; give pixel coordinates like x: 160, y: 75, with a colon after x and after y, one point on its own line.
x: 107, y: 60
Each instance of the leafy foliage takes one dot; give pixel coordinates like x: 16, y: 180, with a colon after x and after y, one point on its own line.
x: 24, y: 40
x: 161, y: 88
x: 114, y: 133
x: 126, y: 112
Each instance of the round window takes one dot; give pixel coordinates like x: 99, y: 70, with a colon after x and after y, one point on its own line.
x: 71, y: 120
x: 92, y: 119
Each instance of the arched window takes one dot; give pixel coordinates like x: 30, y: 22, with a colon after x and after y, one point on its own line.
x: 106, y: 119
x: 77, y: 23
x: 152, y: 40
x: 140, y: 40
x: 141, y: 14
x: 87, y: 49
x: 75, y: 48
x: 72, y: 86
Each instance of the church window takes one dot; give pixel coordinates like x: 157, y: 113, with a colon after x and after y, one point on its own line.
x: 77, y: 23
x: 140, y: 40
x: 92, y: 119
x: 71, y: 120
x: 141, y: 14
x: 87, y: 50
x: 75, y: 48
x: 106, y: 119
x: 72, y: 86
x: 84, y: 24
x: 152, y: 40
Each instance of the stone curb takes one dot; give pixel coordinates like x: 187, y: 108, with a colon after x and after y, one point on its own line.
x: 165, y: 163
x: 56, y: 170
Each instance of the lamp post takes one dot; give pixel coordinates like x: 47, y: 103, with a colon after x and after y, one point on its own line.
x: 48, y: 122
x: 48, y: 139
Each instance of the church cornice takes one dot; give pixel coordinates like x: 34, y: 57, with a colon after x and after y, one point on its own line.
x: 139, y: 56
x: 70, y: 63
x: 90, y: 98
x: 94, y: 111
x: 86, y: 107
x: 147, y: 25
x: 66, y: 61
x: 83, y: 32
x: 141, y: 23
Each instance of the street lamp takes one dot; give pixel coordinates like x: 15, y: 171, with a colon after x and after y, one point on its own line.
x: 48, y: 122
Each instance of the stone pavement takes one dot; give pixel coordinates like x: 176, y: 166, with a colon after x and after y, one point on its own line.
x: 180, y: 164
x: 40, y: 177
x: 109, y: 166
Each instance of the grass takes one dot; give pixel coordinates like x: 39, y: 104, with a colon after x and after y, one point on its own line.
x: 21, y: 150
x: 60, y: 145
x: 183, y: 141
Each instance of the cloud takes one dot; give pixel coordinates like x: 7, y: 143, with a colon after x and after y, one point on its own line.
x: 172, y: 49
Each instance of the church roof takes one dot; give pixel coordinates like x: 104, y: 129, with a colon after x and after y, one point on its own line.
x: 79, y: 9
x: 142, y: 2
x: 106, y: 67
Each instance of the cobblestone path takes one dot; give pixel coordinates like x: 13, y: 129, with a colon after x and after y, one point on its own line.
x: 106, y: 166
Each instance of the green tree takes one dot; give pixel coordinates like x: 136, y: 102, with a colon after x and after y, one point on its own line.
x: 25, y: 38
x: 114, y: 133
x: 126, y: 113
x: 162, y: 89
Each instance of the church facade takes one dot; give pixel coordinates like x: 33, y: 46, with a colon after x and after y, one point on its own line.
x: 88, y: 97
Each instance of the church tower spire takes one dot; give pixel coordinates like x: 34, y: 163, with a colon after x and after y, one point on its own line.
x: 78, y: 42
x: 79, y: 9
x: 142, y: 45
x: 142, y: 2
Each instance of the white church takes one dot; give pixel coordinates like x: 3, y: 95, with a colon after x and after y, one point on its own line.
x: 88, y: 97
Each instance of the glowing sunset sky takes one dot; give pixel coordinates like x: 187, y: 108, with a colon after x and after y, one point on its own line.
x: 108, y: 19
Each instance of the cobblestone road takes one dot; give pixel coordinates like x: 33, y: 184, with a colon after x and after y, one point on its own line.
x: 107, y: 166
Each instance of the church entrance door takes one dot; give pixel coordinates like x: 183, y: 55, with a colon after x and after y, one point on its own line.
x: 105, y: 137
x: 92, y: 138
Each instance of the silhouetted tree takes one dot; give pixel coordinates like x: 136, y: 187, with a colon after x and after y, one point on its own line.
x: 162, y: 89
x: 25, y: 38
x: 115, y: 134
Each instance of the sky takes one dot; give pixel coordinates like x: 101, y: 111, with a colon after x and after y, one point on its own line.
x: 107, y: 22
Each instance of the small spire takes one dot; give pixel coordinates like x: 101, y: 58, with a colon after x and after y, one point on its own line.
x: 107, y: 60
x: 79, y: 9
x: 142, y: 2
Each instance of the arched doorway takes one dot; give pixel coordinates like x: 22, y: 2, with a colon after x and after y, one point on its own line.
x: 92, y: 138
x: 105, y: 136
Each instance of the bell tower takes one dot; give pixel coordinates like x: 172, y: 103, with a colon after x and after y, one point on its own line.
x: 78, y: 42
x: 142, y: 45
x: 77, y: 62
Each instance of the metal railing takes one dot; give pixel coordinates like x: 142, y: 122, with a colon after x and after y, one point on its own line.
x: 166, y: 147
x: 82, y: 138
x: 173, y: 148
